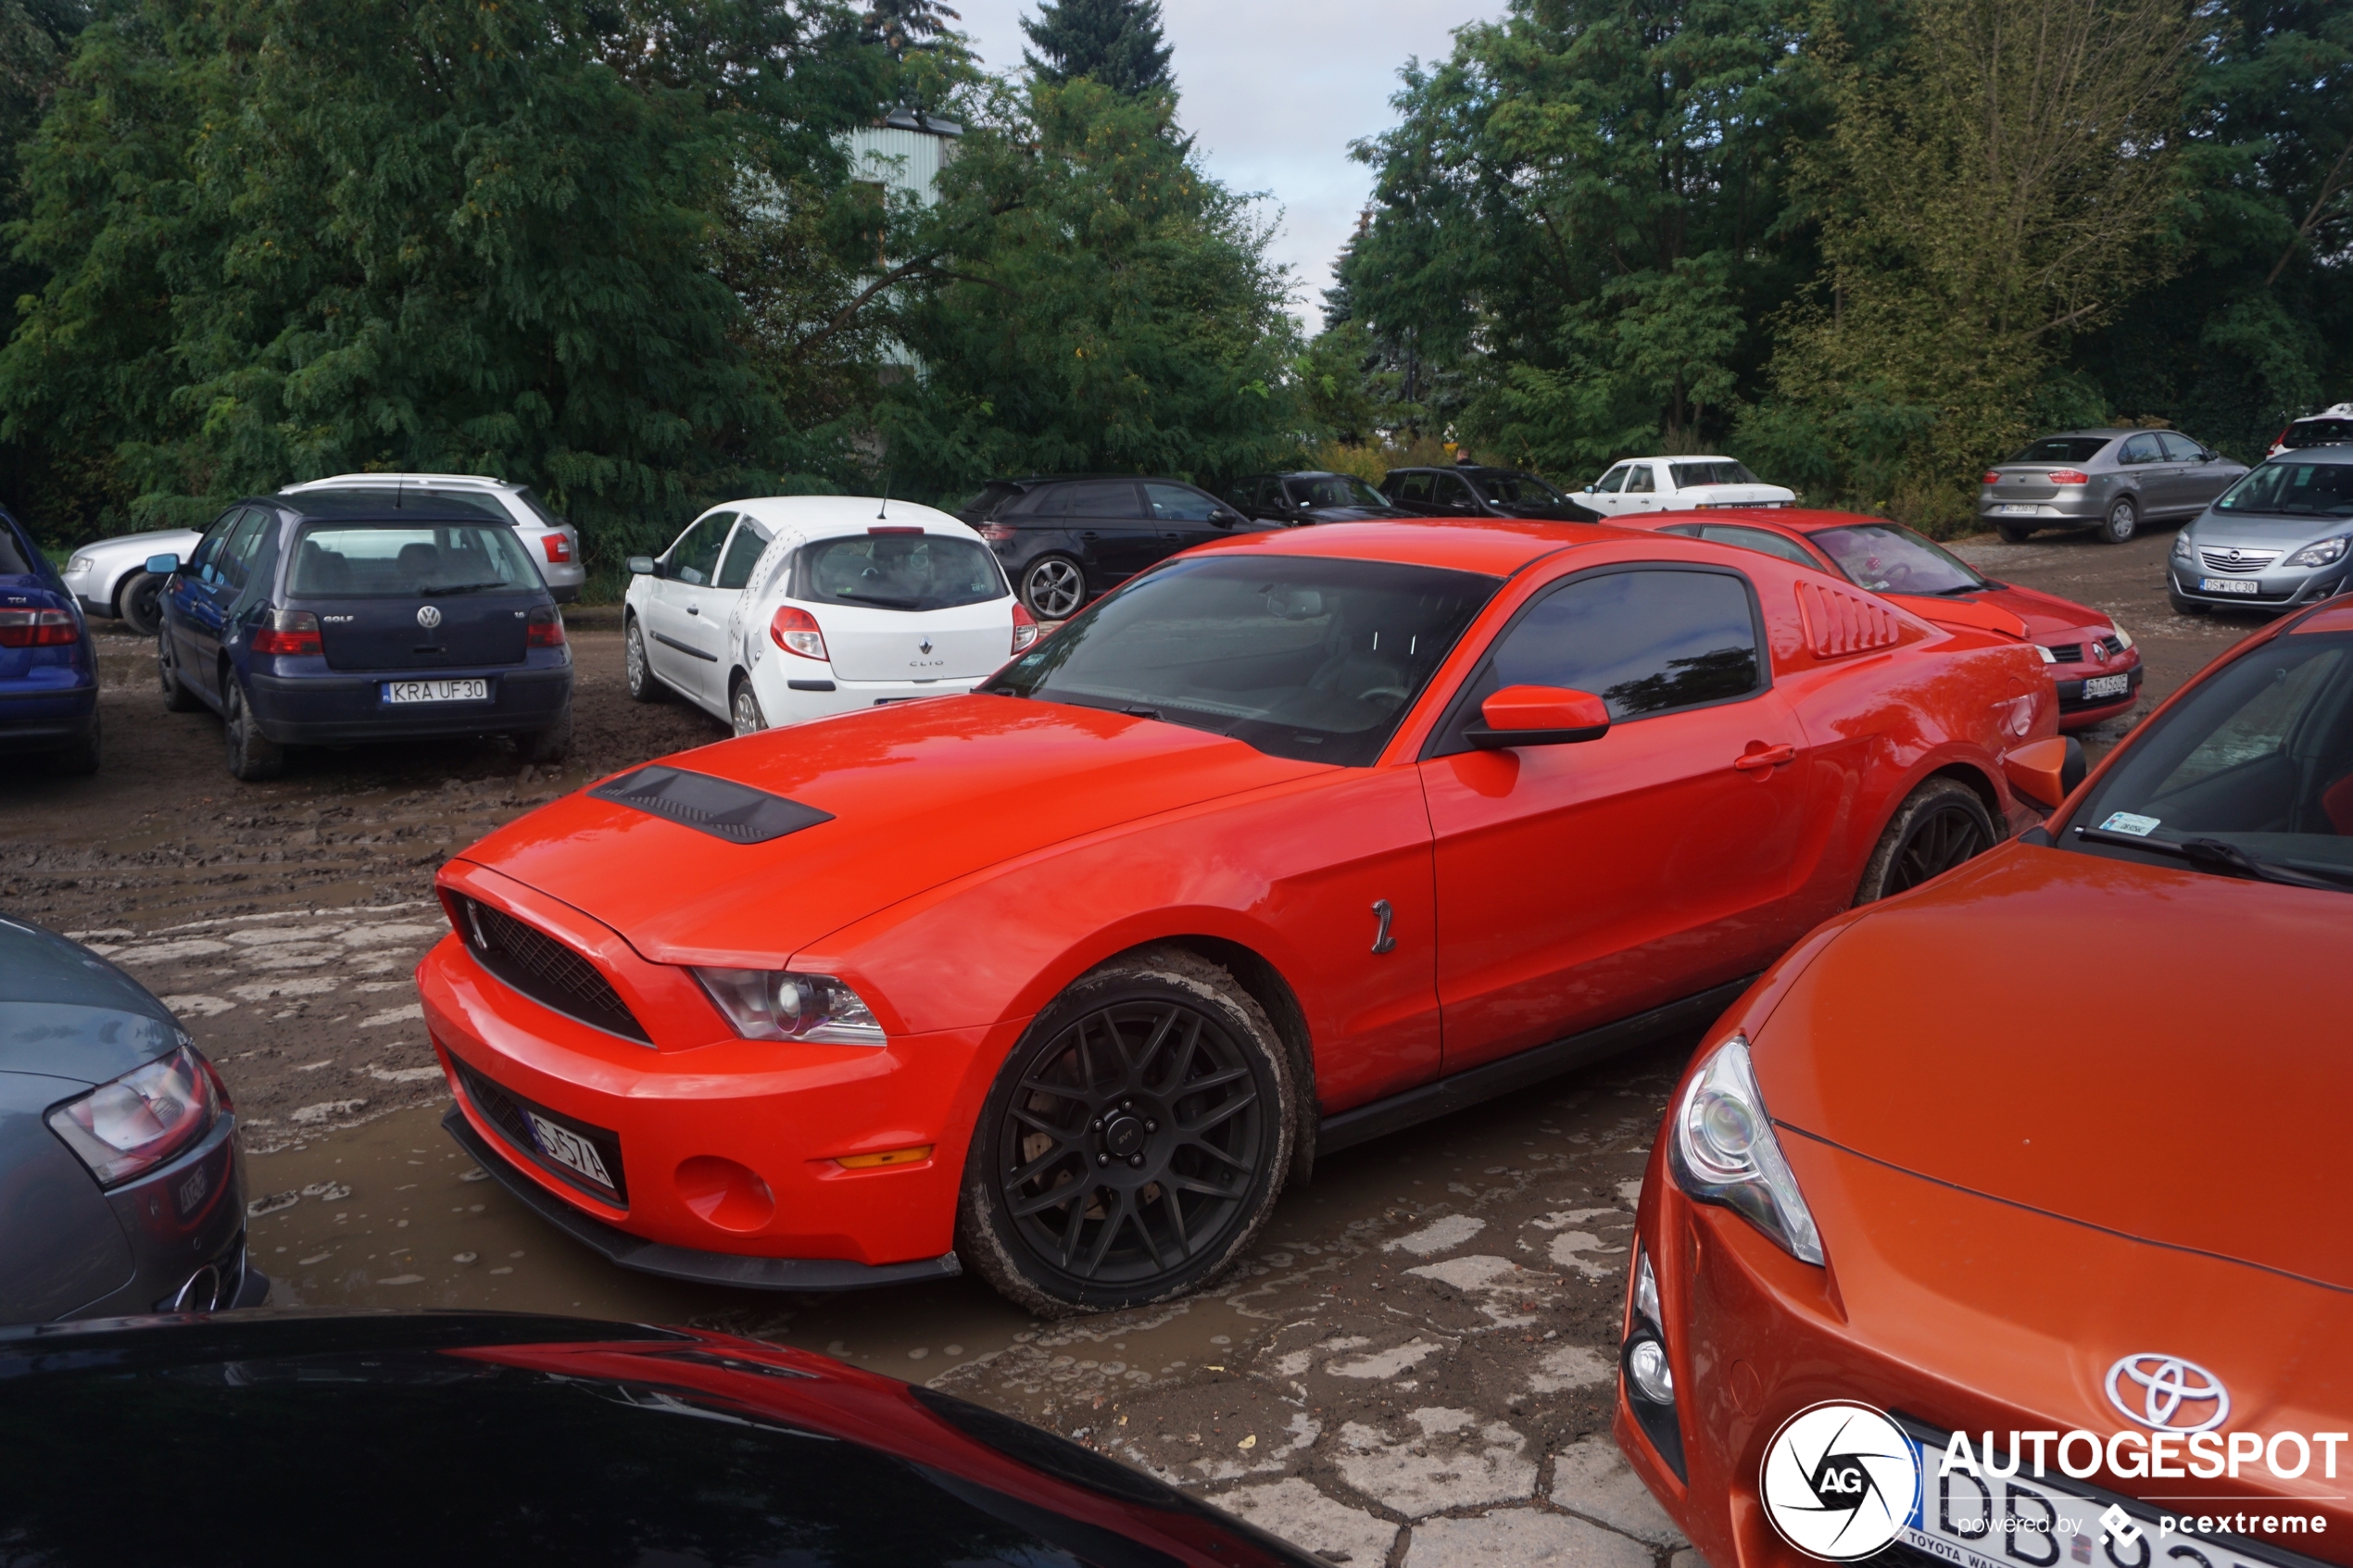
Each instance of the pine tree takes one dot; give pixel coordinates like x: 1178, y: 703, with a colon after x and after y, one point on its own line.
x: 1116, y: 42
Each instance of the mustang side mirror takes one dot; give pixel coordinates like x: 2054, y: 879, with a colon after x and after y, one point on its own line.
x: 2046, y: 771
x: 1539, y: 715
x: 163, y: 566
x: 644, y: 566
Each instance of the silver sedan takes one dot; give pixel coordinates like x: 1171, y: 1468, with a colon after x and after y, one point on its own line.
x: 2111, y: 481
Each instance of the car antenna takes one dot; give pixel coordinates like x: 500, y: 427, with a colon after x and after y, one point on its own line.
x: 882, y: 510
x: 397, y: 486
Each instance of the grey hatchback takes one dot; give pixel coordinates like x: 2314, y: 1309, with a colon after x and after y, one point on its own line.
x: 2279, y: 538
x: 117, y: 1146
x: 2111, y: 481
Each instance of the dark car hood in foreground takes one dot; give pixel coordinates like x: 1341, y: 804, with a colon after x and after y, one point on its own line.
x: 402, y: 1439
x: 66, y: 1012
x: 2157, y: 1052
x: 919, y: 795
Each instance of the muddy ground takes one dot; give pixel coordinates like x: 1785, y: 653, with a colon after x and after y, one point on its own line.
x: 1414, y: 1365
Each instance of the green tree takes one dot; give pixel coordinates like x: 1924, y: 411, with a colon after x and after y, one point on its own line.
x: 1082, y: 297
x: 36, y: 39
x: 1116, y: 42
x: 292, y: 237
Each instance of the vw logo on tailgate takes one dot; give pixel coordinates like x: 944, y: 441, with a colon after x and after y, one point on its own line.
x: 429, y: 617
x: 2167, y: 1393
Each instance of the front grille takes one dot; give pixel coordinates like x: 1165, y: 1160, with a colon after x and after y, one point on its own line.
x: 2237, y: 559
x: 545, y: 970
x: 508, y: 1114
x: 2112, y: 646
x: 2066, y: 653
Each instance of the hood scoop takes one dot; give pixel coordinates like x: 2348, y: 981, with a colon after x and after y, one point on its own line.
x: 724, y: 810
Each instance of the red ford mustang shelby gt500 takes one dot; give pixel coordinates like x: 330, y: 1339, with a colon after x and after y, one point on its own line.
x: 2071, y: 1245
x: 1291, y: 841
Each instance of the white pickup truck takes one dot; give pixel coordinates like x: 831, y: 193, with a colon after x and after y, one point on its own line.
x: 1679, y: 485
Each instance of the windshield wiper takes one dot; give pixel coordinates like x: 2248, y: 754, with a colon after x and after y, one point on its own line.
x: 879, y: 600
x: 1964, y: 588
x: 2214, y: 854
x: 461, y: 587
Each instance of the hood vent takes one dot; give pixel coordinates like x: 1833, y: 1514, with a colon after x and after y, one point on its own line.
x: 723, y: 808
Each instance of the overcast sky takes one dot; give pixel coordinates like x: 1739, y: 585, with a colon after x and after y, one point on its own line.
x: 1275, y: 90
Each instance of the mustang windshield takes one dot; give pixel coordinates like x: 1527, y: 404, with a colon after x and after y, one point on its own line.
x: 1889, y: 559
x: 2251, y: 776
x: 1296, y: 656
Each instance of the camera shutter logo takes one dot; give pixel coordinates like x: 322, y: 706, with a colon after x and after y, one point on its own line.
x: 2167, y: 1393
x: 1840, y: 1481
x: 429, y: 617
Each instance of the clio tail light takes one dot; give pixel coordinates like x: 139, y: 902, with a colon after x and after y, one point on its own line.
x: 1025, y: 629
x: 797, y: 631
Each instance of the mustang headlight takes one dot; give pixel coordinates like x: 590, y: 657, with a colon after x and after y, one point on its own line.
x: 766, y: 1004
x: 1722, y: 1150
x: 2322, y: 554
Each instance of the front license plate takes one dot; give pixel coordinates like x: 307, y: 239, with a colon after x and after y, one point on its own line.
x: 436, y: 691
x: 2108, y: 685
x: 2247, y: 585
x: 569, y: 1149
x: 2030, y: 1521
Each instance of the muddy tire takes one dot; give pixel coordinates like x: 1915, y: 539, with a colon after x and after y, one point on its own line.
x: 80, y: 759
x: 551, y: 744
x: 177, y: 696
x: 2122, y: 522
x: 1135, y: 1142
x: 253, y: 756
x: 638, y: 675
x: 139, y: 603
x: 1940, y: 826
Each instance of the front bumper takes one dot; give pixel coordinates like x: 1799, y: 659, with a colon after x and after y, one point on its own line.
x: 1925, y: 1320
x: 2274, y: 590
x: 721, y: 1149
x: 2076, y: 711
x: 338, y: 708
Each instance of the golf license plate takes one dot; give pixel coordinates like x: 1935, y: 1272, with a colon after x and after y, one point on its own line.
x: 2247, y: 585
x: 569, y: 1149
x: 2049, y: 1522
x: 437, y: 691
x: 2108, y: 685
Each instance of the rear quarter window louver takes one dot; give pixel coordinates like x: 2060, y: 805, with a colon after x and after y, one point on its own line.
x: 719, y: 806
x: 1839, y: 624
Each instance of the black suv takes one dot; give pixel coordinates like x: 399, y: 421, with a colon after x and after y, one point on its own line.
x: 1310, y: 496
x: 1467, y: 491
x: 1063, y: 540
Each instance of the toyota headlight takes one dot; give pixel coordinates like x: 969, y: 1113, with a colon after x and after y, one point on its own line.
x: 1722, y: 1149
x: 764, y: 1004
x: 2327, y: 552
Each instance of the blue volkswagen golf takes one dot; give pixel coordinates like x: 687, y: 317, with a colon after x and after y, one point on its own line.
x: 48, y: 675
x: 340, y: 616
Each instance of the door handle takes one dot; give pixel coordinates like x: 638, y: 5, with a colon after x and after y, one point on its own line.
x: 1770, y: 757
x: 1087, y: 534
x: 694, y: 610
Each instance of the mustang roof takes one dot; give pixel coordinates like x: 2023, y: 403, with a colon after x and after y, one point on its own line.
x: 1497, y: 546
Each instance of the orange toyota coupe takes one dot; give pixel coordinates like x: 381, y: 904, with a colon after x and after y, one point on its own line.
x: 1292, y: 840
x: 2050, y: 1271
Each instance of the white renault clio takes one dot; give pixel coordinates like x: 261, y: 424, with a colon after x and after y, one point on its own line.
x: 789, y: 607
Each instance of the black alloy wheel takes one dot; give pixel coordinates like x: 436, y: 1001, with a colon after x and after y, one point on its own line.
x: 253, y: 756
x: 1940, y: 826
x: 178, y: 695
x: 140, y: 603
x: 1133, y: 1144
x: 1053, y: 587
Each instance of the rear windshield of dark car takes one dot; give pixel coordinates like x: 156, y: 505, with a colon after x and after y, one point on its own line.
x: 2318, y: 432
x: 12, y: 560
x: 992, y: 496
x: 897, y: 571
x: 2286, y: 488
x: 336, y: 560
x: 1300, y: 657
x: 2064, y: 449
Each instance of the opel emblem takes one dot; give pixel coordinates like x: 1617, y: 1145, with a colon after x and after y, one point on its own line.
x: 924, y: 647
x: 2167, y: 1393
x: 429, y: 617
x: 2236, y: 556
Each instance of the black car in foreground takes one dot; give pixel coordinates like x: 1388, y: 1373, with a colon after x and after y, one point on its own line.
x: 275, y: 1439
x: 1309, y: 496
x: 1063, y: 541
x: 334, y: 617
x: 1468, y: 490
x: 120, y: 1184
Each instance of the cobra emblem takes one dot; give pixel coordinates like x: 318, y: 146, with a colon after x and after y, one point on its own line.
x: 2167, y: 1393
x: 429, y: 617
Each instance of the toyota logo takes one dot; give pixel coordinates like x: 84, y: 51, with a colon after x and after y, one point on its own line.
x: 2167, y: 1393
x: 429, y: 617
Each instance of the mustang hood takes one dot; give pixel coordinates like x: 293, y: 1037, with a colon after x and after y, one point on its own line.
x: 2152, y: 1051
x: 918, y: 795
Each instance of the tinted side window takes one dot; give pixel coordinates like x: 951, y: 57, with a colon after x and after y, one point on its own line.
x: 2180, y: 448
x: 1415, y: 487
x: 1180, y: 503
x: 695, y: 558
x: 1105, y: 500
x: 201, y: 561
x: 237, y: 554
x: 743, y: 553
x: 14, y: 561
x: 1455, y: 493
x: 1645, y: 642
x: 2141, y: 449
x: 1759, y: 539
